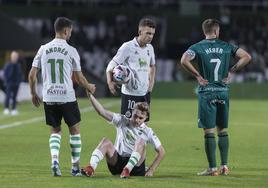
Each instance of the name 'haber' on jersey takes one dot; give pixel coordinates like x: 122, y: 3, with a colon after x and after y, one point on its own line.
x: 57, y: 61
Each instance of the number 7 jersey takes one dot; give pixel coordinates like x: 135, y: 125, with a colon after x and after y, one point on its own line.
x: 57, y: 61
x: 213, y: 60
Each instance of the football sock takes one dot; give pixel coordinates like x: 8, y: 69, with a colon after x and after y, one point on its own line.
x: 133, y: 160
x: 75, y: 144
x: 210, y: 148
x: 54, y: 145
x: 96, y: 157
x: 223, y: 144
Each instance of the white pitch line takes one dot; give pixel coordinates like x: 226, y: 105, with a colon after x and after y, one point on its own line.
x: 41, y: 118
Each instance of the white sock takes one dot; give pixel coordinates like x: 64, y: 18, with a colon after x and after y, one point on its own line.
x: 75, y: 144
x: 133, y: 160
x: 96, y: 157
x: 54, y: 145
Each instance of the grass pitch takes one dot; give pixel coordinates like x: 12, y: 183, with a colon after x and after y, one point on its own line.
x: 25, y: 158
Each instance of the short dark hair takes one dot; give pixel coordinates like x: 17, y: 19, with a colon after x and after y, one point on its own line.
x: 209, y: 24
x: 62, y: 22
x: 147, y: 22
x: 142, y: 106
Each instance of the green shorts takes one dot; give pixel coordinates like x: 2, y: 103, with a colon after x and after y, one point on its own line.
x: 213, y: 109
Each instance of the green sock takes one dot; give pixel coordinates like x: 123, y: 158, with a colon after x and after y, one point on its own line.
x: 223, y: 144
x: 210, y: 147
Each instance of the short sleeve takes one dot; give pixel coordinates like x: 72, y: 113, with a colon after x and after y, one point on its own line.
x: 121, y: 54
x: 191, y: 52
x: 37, y: 58
x: 234, y: 48
x: 117, y: 120
x: 153, y: 139
x: 76, y: 61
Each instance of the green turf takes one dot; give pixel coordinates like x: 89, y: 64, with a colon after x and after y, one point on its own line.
x: 25, y: 158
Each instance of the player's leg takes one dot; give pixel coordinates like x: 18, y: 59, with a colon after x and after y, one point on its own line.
x: 222, y: 125
x: 72, y: 118
x: 207, y: 121
x: 7, y: 100
x: 105, y: 148
x: 135, y: 159
x: 15, y: 89
x: 53, y: 119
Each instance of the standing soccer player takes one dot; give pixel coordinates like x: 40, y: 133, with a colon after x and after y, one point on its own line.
x: 58, y: 61
x: 212, y: 57
x: 138, y: 56
x: 127, y: 156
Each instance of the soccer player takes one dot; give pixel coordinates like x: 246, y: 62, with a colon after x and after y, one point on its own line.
x: 138, y: 56
x: 58, y: 61
x: 127, y: 156
x: 212, y: 57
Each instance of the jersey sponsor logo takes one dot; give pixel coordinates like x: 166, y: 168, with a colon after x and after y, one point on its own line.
x: 142, y: 62
x: 217, y: 101
x: 56, y: 90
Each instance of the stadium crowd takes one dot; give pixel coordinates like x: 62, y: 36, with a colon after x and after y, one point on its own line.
x: 99, y: 38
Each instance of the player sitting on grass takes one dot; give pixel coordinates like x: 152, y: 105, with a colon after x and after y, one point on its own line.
x: 127, y: 155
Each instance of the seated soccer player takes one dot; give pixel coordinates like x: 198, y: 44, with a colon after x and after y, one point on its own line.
x: 127, y: 156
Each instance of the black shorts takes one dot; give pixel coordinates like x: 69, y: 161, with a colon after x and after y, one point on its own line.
x: 122, y: 162
x: 128, y: 102
x: 68, y: 111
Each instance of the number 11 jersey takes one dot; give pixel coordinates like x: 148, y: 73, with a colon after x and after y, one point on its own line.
x: 57, y: 61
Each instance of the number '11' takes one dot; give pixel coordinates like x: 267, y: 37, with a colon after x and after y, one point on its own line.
x: 53, y: 63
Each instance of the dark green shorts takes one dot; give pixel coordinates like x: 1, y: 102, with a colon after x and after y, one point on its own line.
x: 213, y: 109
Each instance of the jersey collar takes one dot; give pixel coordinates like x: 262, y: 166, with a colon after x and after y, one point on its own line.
x: 137, y: 44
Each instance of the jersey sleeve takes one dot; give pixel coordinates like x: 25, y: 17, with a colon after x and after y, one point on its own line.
x: 153, y: 139
x: 117, y: 120
x: 191, y: 52
x: 37, y: 58
x: 234, y: 48
x: 121, y: 55
x: 76, y: 61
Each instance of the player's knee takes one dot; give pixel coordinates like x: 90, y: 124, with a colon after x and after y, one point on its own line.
x: 105, y: 142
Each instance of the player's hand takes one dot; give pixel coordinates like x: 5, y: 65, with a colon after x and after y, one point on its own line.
x: 149, y: 173
x: 112, y: 87
x: 227, y: 80
x: 36, y: 100
x: 201, y: 80
x: 91, y: 88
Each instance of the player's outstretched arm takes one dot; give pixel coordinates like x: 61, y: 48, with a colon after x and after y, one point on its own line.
x: 244, y: 59
x: 32, y: 78
x: 158, y: 158
x: 100, y: 109
x: 186, y: 64
x: 82, y: 81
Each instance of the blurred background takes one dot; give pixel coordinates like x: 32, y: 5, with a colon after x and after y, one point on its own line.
x: 101, y: 26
